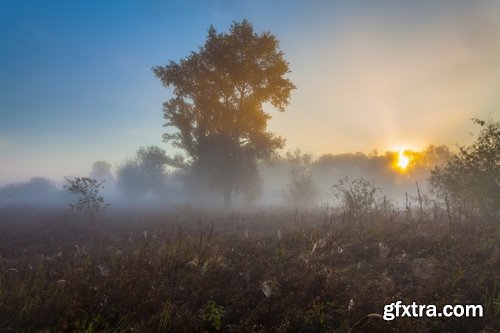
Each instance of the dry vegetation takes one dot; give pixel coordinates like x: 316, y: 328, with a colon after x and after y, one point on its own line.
x: 270, y: 270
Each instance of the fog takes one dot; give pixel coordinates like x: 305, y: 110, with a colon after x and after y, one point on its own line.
x: 147, y: 182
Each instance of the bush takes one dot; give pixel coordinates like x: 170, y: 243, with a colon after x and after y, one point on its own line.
x: 357, y: 197
x: 470, y: 181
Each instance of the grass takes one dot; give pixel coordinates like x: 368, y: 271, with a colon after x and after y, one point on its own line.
x: 265, y: 271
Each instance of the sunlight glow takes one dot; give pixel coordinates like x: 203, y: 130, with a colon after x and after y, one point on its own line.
x: 403, y: 160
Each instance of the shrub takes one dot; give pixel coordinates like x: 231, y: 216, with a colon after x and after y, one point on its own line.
x: 89, y: 201
x: 357, y: 197
x: 470, y: 180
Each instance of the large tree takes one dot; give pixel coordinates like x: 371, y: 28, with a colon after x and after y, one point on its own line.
x: 217, y: 105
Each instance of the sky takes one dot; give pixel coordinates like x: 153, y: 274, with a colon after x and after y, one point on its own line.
x: 76, y: 84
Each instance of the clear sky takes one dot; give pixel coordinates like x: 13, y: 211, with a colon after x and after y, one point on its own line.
x: 76, y: 84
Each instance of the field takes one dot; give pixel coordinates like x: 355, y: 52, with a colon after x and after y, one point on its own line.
x: 270, y: 270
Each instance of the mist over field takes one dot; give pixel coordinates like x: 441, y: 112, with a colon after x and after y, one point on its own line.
x: 131, y: 185
x: 216, y: 166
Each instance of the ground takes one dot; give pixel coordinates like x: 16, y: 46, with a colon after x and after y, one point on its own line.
x: 271, y: 270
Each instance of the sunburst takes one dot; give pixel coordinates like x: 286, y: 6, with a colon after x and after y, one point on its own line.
x: 403, y: 160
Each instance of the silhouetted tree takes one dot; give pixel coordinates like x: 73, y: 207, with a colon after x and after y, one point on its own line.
x: 217, y: 107
x: 145, y: 174
x: 470, y: 180
x: 301, y: 190
x: 130, y: 182
x: 433, y: 156
x: 101, y: 170
x: 36, y: 191
x: 153, y: 161
x: 89, y: 202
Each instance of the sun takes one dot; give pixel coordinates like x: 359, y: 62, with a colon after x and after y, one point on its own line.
x: 403, y: 160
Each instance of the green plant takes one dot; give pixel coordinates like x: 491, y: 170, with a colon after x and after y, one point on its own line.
x: 212, y: 314
x: 165, y: 318
x: 492, y: 300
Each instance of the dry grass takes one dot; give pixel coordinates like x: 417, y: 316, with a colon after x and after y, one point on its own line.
x: 257, y: 272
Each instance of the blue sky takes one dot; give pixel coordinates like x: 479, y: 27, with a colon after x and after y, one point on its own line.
x: 77, y: 86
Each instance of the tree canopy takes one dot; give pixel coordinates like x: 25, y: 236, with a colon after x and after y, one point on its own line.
x: 217, y: 108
